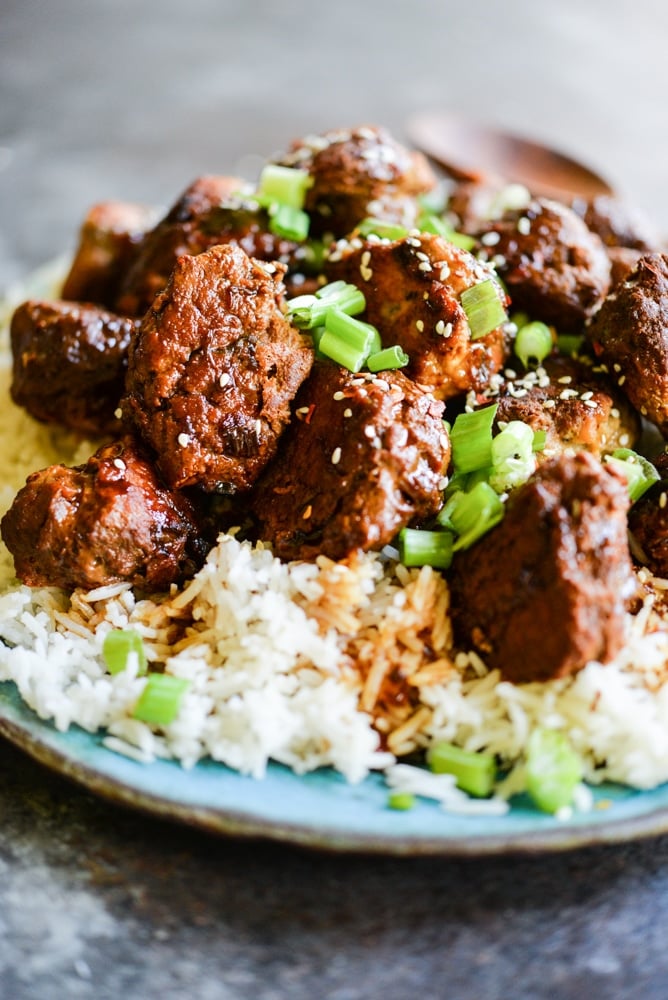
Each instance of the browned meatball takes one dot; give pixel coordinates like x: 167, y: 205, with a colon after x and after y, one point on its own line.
x: 617, y: 223
x: 630, y: 334
x: 109, y: 521
x: 69, y: 363
x: 364, y: 458
x: 412, y: 288
x: 623, y: 261
x: 108, y: 242
x: 213, y: 370
x: 554, y: 267
x: 648, y: 523
x: 544, y: 592
x: 575, y: 403
x: 205, y: 215
x: 357, y: 173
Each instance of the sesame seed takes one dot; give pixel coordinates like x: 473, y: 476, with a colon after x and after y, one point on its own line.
x: 614, y: 412
x: 616, y: 368
x: 567, y: 394
x: 584, y: 396
x: 413, y: 242
x: 307, y: 512
x: 339, y: 395
x: 421, y: 255
x: 443, y: 440
x: 365, y: 272
x: 183, y: 440
x: 369, y: 431
x: 621, y: 380
x: 425, y: 296
x: 440, y: 328
x: 120, y: 464
x: 524, y: 226
x: 643, y: 410
x: 444, y: 272
x: 490, y: 239
x: 348, y: 412
x: 663, y: 500
x: 258, y: 427
x: 565, y: 380
x: 624, y: 440
x: 302, y: 411
x: 448, y: 330
x: 366, y: 257
x: 549, y: 404
x: 336, y: 456
x: 509, y: 373
x: 424, y: 265
x: 499, y: 260
x: 224, y: 380
x: 420, y: 325
x: 591, y: 403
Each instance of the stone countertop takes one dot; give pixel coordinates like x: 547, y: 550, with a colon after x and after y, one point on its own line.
x: 132, y: 100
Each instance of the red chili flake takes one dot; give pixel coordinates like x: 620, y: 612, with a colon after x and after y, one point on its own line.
x: 311, y: 410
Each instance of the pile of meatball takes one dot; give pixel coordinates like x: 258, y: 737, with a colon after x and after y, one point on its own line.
x: 173, y: 343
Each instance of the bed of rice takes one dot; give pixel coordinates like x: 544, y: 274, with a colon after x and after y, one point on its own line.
x: 306, y: 664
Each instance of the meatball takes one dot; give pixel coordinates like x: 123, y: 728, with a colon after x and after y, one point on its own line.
x: 364, y: 458
x: 69, y: 363
x: 617, y: 223
x: 412, y: 289
x: 544, y: 592
x: 108, y: 242
x: 648, y: 523
x: 213, y: 370
x: 554, y: 267
x: 357, y: 173
x: 575, y: 403
x: 471, y: 204
x: 109, y: 521
x: 630, y: 334
x: 205, y: 215
x: 623, y: 261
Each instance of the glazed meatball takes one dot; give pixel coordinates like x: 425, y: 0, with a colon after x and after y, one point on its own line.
x: 630, y: 334
x: 109, y: 521
x: 544, y: 591
x: 554, y: 267
x: 69, y: 363
x: 357, y: 173
x: 108, y: 242
x: 573, y: 401
x: 412, y: 289
x: 648, y: 523
x: 364, y: 457
x: 617, y: 223
x: 207, y: 213
x: 213, y: 370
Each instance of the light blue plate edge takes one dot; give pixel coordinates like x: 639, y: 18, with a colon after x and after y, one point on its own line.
x: 319, y: 809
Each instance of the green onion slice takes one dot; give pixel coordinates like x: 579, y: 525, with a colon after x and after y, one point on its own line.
x: 428, y: 222
x: 471, y: 439
x: 475, y: 772
x: 638, y: 471
x: 354, y: 331
x: 338, y: 349
x: 308, y: 311
x: 553, y: 770
x: 160, y: 701
x: 425, y: 548
x: 473, y: 514
x: 483, y: 307
x: 533, y: 342
x: 388, y: 359
x: 117, y: 646
x: 284, y: 185
x: 289, y: 223
x: 512, y: 456
x: 570, y: 344
x: 401, y: 800
x: 384, y: 230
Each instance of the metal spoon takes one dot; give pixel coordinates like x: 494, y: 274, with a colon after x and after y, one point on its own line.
x: 469, y: 151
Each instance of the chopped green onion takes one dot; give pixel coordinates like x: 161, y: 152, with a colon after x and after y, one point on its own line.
x: 570, y: 343
x: 355, y: 331
x: 512, y: 456
x: 425, y: 548
x: 160, y: 700
x: 513, y: 197
x: 285, y: 185
x: 401, y: 800
x: 289, y: 223
x: 117, y: 646
x: 483, y: 307
x: 475, y: 772
x: 539, y: 440
x: 638, y: 471
x: 533, y: 342
x: 553, y: 770
x: 473, y: 514
x: 427, y: 222
x: 471, y: 439
x: 389, y: 358
x: 350, y: 356
x: 307, y: 311
x: 384, y: 230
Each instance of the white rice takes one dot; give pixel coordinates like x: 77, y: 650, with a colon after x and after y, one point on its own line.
x: 288, y: 663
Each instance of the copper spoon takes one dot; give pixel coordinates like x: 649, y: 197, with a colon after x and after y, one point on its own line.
x: 473, y: 152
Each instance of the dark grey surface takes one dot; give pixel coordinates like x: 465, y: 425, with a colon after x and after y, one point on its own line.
x: 132, y: 99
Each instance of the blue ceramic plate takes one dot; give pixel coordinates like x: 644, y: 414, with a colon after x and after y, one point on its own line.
x: 319, y: 809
